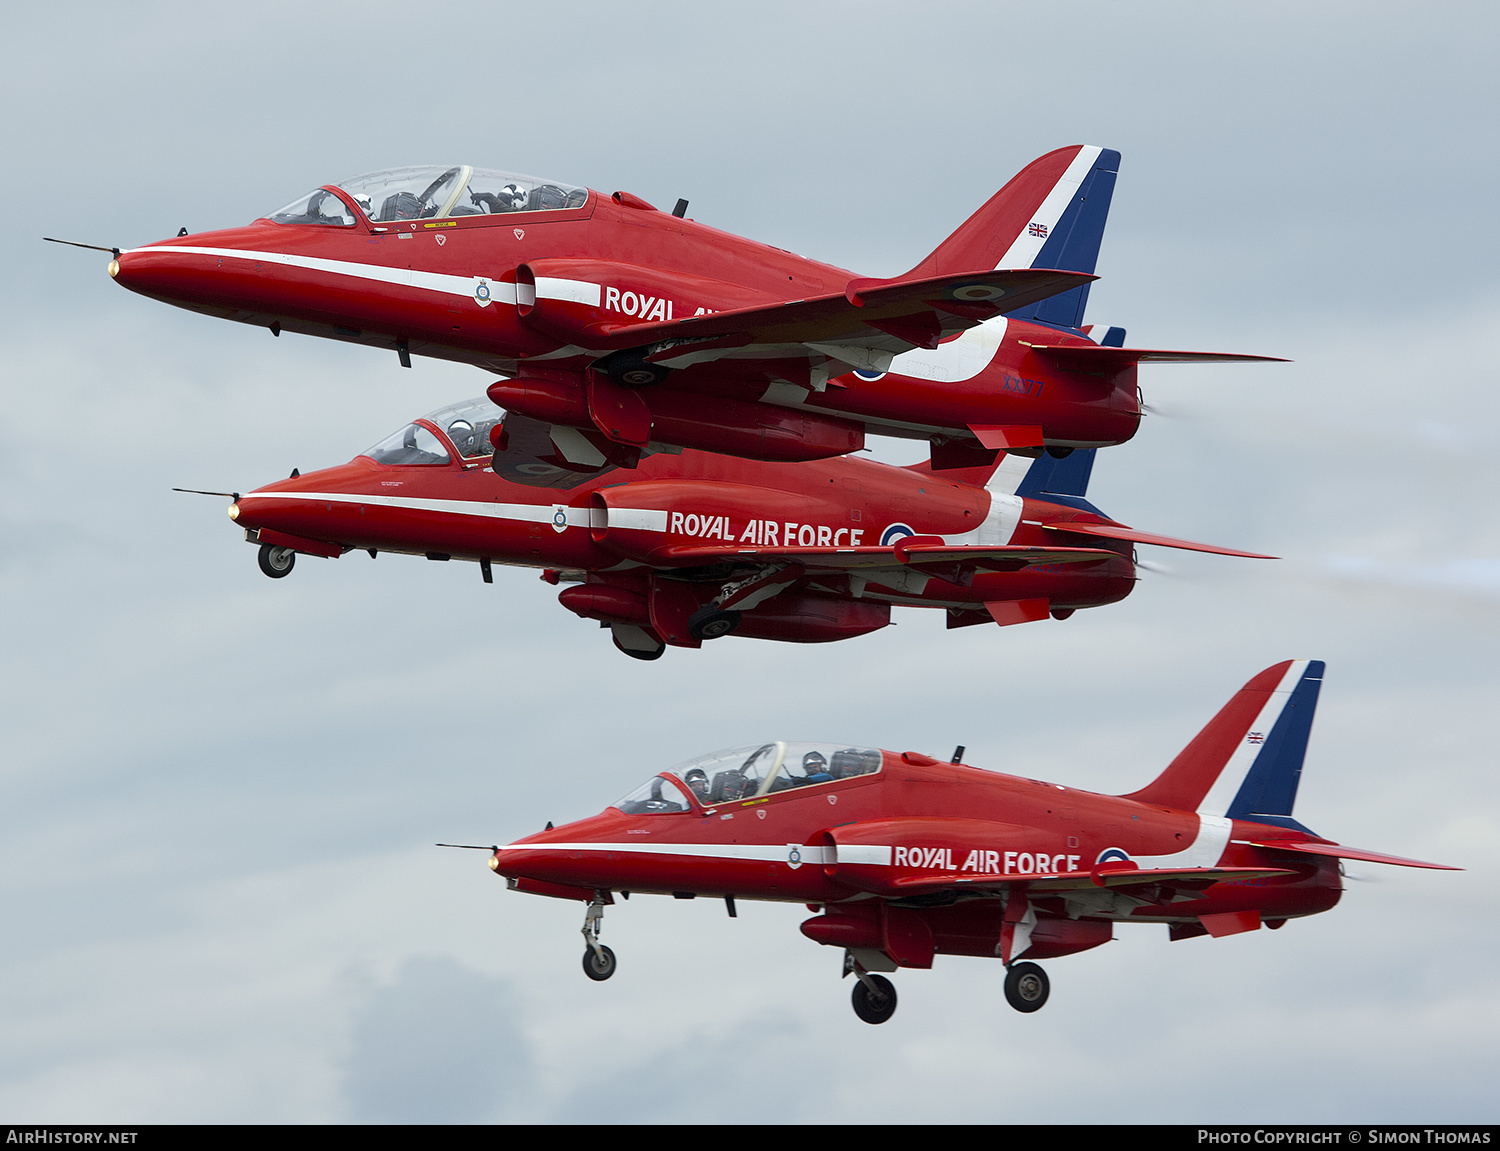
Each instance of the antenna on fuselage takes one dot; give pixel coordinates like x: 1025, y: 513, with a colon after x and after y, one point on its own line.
x: 681, y: 210
x: 958, y: 754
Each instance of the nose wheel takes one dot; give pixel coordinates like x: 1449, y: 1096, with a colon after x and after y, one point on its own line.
x: 1026, y: 987
x: 598, y: 965
x: 598, y: 960
x: 276, y: 562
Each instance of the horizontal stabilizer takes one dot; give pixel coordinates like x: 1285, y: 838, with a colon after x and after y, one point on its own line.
x: 1095, y: 358
x: 1121, y: 532
x: 1338, y: 852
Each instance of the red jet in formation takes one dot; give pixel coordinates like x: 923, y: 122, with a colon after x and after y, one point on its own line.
x: 692, y: 545
x: 903, y: 857
x: 628, y: 326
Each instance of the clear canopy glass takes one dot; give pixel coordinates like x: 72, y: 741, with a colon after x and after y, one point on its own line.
x: 746, y: 772
x: 412, y: 446
x: 468, y: 423
x: 433, y: 192
x: 319, y: 206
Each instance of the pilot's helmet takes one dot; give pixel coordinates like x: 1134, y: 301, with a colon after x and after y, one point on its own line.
x: 461, y: 432
x: 813, y: 764
x: 363, y: 200
x: 513, y: 196
x: 697, y: 779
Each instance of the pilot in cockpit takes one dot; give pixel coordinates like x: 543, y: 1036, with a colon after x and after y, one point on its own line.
x: 697, y: 779
x: 815, y: 767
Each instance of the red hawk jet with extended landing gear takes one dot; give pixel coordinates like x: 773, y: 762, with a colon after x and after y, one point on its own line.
x: 633, y: 326
x: 904, y: 858
x: 693, y: 546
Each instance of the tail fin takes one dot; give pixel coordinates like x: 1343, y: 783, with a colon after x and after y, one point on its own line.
x: 1246, y: 763
x: 1059, y: 481
x: 1050, y: 215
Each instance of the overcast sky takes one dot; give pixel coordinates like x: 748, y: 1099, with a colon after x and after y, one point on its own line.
x: 219, y: 898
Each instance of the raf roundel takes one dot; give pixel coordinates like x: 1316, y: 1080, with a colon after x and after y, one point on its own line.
x: 894, y: 533
x: 976, y: 293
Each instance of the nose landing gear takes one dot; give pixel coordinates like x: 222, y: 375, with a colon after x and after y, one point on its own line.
x: 276, y: 562
x: 598, y: 960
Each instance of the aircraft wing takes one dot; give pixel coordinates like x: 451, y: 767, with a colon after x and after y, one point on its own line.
x: 1338, y: 852
x: 863, y: 327
x: 927, y: 558
x: 531, y: 458
x: 1121, y: 532
x: 1059, y: 882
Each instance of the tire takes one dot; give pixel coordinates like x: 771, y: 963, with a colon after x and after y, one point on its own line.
x: 711, y: 623
x: 276, y: 562
x: 635, y: 371
x: 1026, y: 987
x: 874, y: 1008
x: 598, y: 967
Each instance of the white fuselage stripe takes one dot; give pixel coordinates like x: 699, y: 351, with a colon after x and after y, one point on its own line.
x: 403, y: 277
x: 524, y: 513
x: 749, y: 852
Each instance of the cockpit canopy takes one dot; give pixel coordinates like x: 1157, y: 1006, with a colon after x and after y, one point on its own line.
x: 462, y: 427
x: 435, y: 192
x: 746, y: 772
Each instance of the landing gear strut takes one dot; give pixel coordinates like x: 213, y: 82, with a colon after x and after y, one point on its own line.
x: 598, y: 960
x: 1026, y: 987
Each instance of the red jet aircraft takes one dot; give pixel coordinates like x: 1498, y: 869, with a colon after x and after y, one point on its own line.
x: 692, y: 546
x: 634, y: 325
x: 903, y: 857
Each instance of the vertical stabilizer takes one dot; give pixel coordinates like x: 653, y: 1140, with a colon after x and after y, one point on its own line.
x: 1246, y: 763
x: 1050, y: 215
x: 1064, y: 481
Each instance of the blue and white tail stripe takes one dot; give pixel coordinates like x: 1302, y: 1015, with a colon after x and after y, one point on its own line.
x: 1041, y: 233
x: 1065, y: 232
x: 1259, y: 781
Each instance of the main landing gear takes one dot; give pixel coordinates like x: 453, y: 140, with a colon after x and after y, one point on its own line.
x: 276, y: 562
x: 874, y: 998
x: 598, y: 960
x: 1026, y: 987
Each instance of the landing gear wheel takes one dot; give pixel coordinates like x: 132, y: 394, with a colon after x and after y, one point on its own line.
x: 874, y: 1007
x: 276, y: 562
x: 1026, y: 987
x: 710, y: 623
x: 599, y: 965
x: 635, y: 371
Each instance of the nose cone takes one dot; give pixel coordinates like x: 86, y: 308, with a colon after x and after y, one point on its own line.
x: 570, y: 854
x: 293, y: 505
x: 204, y: 272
